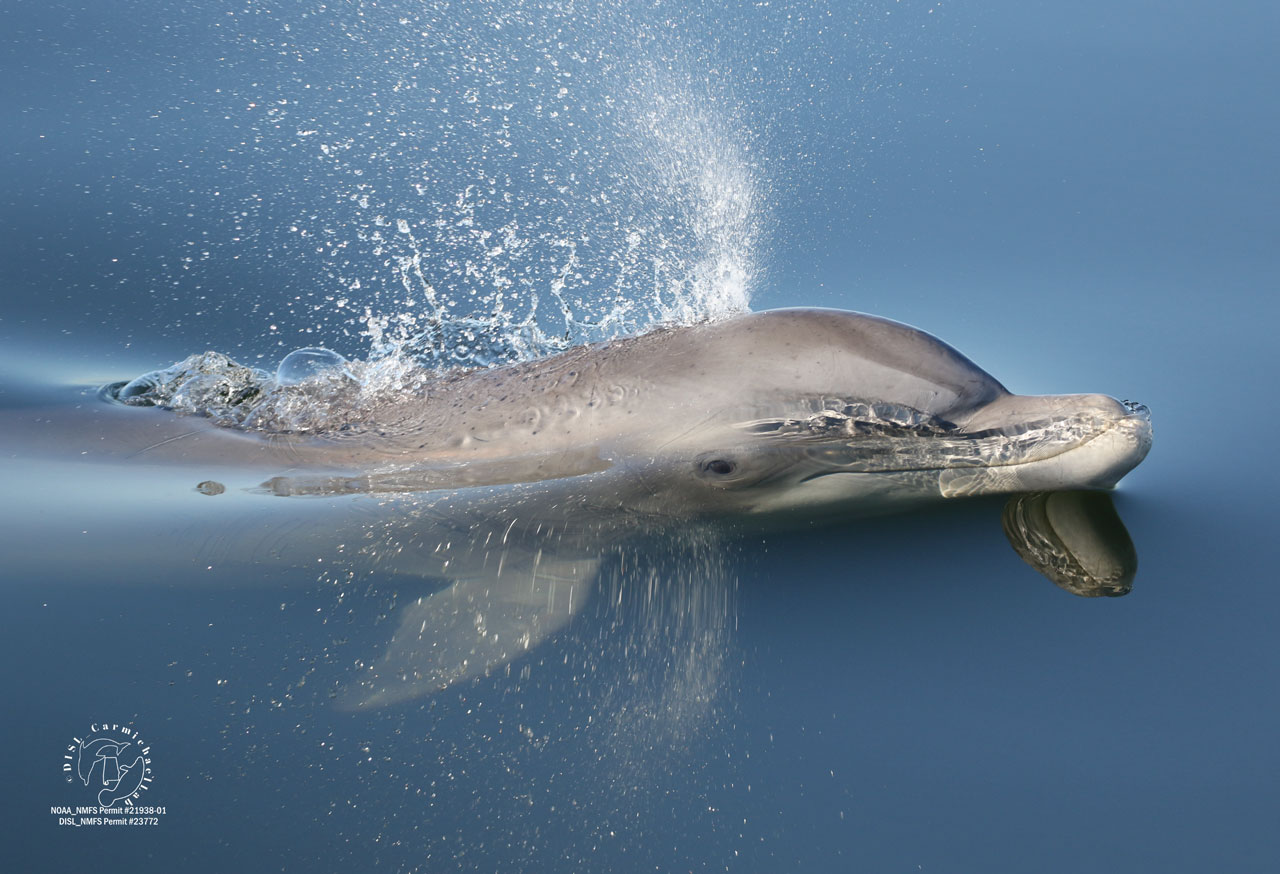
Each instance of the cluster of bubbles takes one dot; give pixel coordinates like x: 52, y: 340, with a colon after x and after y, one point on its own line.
x: 313, y: 389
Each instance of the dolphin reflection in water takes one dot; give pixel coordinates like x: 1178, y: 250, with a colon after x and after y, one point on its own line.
x: 513, y: 483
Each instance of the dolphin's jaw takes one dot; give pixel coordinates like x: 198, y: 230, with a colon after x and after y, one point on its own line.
x: 1097, y: 461
x: 1014, y: 444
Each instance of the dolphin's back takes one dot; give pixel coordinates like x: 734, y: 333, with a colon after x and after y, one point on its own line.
x: 780, y: 354
x: 889, y: 351
x: 632, y: 392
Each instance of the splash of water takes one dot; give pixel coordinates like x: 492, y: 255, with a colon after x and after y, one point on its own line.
x: 312, y: 390
x: 487, y: 183
x: 589, y: 192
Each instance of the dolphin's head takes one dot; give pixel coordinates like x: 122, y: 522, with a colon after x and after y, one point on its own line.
x: 840, y: 411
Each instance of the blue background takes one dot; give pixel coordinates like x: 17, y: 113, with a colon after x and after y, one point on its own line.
x: 1081, y: 197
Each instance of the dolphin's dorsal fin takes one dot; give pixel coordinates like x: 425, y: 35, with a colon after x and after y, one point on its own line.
x: 474, y: 626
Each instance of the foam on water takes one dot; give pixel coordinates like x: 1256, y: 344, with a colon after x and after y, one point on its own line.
x: 312, y: 390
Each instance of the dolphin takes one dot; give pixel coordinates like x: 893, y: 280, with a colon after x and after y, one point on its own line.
x: 512, y: 483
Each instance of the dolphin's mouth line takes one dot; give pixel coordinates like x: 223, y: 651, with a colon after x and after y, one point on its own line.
x: 1025, y: 443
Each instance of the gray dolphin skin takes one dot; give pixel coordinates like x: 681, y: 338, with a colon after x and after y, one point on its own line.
x: 511, y: 483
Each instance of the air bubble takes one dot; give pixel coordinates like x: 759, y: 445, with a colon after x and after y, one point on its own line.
x: 140, y: 392
x: 303, y: 364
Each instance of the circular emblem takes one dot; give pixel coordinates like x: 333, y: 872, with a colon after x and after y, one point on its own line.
x: 112, y: 762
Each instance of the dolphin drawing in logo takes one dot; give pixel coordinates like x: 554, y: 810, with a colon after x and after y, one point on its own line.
x: 512, y: 483
x: 101, y: 756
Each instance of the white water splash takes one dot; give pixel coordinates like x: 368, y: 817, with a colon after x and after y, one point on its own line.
x: 697, y: 164
x: 402, y: 172
x: 495, y: 182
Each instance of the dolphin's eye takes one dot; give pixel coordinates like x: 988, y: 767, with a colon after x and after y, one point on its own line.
x: 718, y: 466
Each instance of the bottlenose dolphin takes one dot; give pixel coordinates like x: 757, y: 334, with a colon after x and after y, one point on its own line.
x: 511, y: 483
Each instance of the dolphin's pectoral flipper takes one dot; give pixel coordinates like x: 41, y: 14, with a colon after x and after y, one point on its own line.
x: 474, y: 626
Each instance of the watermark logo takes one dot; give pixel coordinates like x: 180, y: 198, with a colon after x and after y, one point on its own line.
x: 110, y: 764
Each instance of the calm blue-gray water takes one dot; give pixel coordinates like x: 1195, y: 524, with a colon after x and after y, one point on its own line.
x: 1081, y: 197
